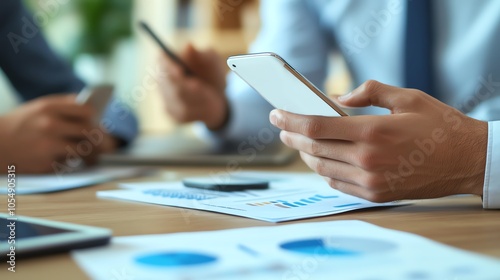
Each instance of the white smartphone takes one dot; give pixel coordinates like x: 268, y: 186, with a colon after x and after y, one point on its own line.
x: 98, y: 97
x: 281, y: 85
x: 26, y: 236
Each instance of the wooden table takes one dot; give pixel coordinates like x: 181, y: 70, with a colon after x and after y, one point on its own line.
x: 458, y: 221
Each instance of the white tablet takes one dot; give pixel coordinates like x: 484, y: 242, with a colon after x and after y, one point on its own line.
x: 30, y: 236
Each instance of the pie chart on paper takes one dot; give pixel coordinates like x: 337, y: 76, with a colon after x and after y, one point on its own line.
x: 175, y: 259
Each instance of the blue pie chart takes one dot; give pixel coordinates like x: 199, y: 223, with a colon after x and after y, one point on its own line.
x: 175, y: 259
x: 337, y: 246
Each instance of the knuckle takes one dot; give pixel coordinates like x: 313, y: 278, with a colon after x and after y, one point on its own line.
x: 373, y: 132
x: 367, y: 160
x: 312, y: 128
x: 316, y: 148
x: 412, y: 96
x: 376, y: 197
x: 321, y: 167
x: 47, y: 124
x: 43, y: 105
x: 369, y: 132
x: 372, y: 181
x: 415, y: 94
x: 332, y: 183
x: 371, y: 86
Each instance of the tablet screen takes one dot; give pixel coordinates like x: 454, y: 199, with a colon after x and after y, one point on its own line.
x: 26, y: 230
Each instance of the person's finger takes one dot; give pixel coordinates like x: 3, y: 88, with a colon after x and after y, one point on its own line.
x: 373, y: 93
x: 65, y: 106
x: 353, y: 128
x: 333, y: 169
x: 192, y: 57
x: 193, y: 90
x: 59, y: 148
x: 350, y: 189
x: 333, y: 149
x: 174, y: 70
x: 61, y: 128
x: 190, y: 93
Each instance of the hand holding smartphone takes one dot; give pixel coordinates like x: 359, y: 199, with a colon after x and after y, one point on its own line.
x: 282, y: 86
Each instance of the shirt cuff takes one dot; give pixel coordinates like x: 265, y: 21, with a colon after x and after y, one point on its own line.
x: 491, y: 191
x: 120, y: 121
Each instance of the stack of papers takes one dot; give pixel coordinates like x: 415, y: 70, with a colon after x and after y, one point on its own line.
x: 330, y: 250
x: 290, y: 197
x: 33, y: 184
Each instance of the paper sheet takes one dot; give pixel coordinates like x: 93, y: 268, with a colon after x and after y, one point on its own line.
x: 288, y: 198
x: 33, y: 184
x: 329, y: 250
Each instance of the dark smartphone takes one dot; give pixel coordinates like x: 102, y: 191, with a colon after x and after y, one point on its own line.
x: 164, y: 47
x: 229, y: 184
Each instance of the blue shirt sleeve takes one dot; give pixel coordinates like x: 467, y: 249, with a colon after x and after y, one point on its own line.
x: 491, y: 191
x: 35, y: 70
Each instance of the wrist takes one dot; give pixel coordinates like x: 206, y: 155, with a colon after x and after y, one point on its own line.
x: 476, y: 162
x: 221, y: 119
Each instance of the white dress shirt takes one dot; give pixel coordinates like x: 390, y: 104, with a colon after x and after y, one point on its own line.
x: 370, y: 36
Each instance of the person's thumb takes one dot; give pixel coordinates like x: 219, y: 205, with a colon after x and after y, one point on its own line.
x: 373, y: 93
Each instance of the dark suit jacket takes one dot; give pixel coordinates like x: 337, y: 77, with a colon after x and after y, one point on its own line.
x: 34, y: 70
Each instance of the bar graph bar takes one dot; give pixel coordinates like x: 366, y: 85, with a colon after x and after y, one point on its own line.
x: 294, y: 204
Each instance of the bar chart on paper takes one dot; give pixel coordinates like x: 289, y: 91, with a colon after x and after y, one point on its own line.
x: 296, y: 205
x: 299, y: 203
x: 298, y: 197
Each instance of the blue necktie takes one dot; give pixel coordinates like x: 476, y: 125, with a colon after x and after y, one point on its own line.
x: 419, y: 53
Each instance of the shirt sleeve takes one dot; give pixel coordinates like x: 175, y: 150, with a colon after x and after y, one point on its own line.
x: 491, y: 192
x: 290, y: 28
x: 34, y: 70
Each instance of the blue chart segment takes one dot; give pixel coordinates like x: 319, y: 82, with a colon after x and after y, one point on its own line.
x: 179, y: 194
x: 175, y: 259
x: 338, y: 246
x: 293, y: 204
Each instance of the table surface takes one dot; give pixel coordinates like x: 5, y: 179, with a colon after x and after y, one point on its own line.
x: 457, y: 221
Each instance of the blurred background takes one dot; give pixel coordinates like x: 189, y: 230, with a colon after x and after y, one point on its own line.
x: 101, y: 40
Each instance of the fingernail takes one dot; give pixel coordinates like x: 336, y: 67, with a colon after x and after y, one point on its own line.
x: 345, y: 96
x: 274, y: 116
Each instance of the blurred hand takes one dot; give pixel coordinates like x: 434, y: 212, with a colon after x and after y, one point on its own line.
x: 424, y: 149
x: 47, y: 132
x: 200, y: 97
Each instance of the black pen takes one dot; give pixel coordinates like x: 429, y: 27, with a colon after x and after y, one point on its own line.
x: 165, y: 49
